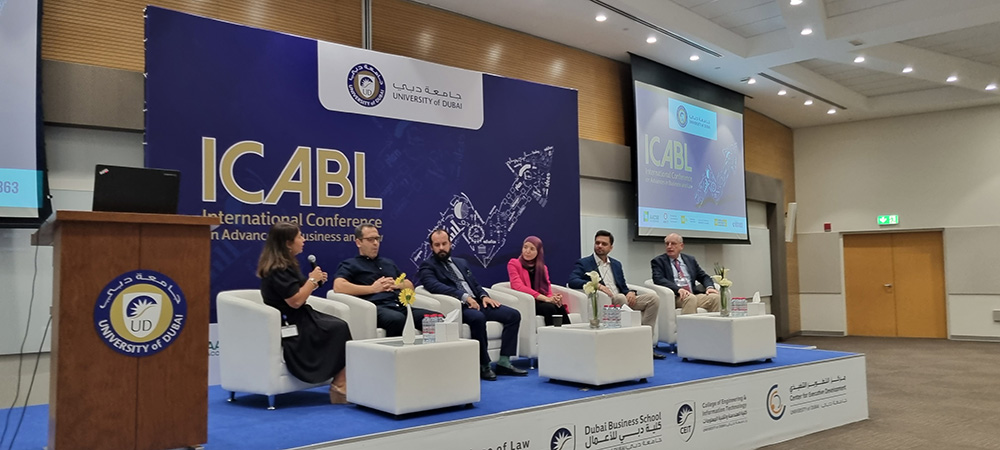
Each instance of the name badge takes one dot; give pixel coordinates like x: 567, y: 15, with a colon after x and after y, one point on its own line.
x: 289, y: 331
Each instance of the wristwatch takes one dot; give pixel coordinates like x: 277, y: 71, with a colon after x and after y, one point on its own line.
x: 313, y: 280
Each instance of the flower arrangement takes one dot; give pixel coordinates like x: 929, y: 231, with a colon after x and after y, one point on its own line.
x: 721, y: 272
x: 591, y: 288
x: 406, y: 295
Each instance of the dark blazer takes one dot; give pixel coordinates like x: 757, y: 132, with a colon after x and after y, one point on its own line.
x: 663, y: 273
x: 434, y: 277
x: 588, y: 264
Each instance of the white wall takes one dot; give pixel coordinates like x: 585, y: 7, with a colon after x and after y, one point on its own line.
x: 72, y: 154
x: 936, y: 171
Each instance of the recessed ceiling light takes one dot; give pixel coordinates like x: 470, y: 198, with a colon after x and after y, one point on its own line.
x: 907, y: 69
x: 752, y: 80
x: 808, y: 102
x: 807, y: 31
x: 831, y: 111
x: 782, y: 92
x: 651, y: 39
x: 601, y: 18
x: 795, y: 2
x: 991, y: 87
x: 859, y: 59
x: 952, y: 79
x: 694, y: 57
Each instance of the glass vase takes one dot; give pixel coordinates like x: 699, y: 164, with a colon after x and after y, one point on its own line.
x: 595, y: 321
x: 724, y: 301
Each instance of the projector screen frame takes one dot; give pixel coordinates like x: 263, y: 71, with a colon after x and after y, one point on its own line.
x: 41, y: 164
x: 658, y: 75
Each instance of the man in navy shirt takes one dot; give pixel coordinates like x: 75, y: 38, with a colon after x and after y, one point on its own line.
x: 373, y: 278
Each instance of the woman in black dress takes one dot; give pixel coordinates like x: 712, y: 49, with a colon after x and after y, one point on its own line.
x: 316, y: 354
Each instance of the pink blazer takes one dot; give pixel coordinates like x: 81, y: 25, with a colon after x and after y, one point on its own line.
x: 520, y: 280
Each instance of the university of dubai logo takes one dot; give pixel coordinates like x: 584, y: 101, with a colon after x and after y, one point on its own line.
x: 775, y: 408
x: 366, y: 85
x: 685, y: 420
x: 562, y: 439
x: 682, y: 116
x: 140, y: 313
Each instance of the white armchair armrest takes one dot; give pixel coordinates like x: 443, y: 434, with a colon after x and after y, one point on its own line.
x: 361, y: 315
x: 330, y: 308
x: 446, y: 303
x: 527, y: 341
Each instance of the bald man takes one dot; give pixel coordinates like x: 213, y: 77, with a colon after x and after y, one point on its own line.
x: 678, y: 272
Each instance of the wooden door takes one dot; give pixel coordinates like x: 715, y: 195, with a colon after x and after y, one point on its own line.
x: 868, y: 275
x: 894, y: 284
x: 918, y: 274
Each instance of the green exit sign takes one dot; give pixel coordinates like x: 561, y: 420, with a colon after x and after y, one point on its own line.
x: 892, y: 219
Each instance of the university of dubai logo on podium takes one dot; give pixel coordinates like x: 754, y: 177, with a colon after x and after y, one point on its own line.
x: 140, y: 313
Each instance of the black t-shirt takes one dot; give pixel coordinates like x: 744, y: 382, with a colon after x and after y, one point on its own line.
x: 280, y: 285
x: 362, y: 270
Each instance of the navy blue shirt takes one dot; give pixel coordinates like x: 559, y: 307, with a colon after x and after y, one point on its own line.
x: 362, y: 270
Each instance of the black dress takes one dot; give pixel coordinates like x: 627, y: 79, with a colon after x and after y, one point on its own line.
x: 318, y: 352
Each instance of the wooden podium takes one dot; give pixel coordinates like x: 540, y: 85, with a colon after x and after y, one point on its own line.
x: 99, y: 397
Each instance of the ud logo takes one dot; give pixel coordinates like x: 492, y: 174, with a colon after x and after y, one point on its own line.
x: 366, y: 85
x: 140, y: 313
x: 685, y: 420
x: 682, y: 116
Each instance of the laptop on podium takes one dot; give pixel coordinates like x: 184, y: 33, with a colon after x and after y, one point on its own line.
x: 136, y: 189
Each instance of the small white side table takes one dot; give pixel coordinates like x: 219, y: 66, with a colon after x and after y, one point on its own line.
x: 580, y: 354
x: 388, y: 376
x: 709, y: 337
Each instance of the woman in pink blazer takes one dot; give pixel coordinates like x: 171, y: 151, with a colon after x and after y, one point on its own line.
x: 528, y: 274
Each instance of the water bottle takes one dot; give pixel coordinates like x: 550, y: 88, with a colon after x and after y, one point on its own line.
x: 616, y: 316
x: 428, y: 328
x: 606, y: 317
x: 739, y: 307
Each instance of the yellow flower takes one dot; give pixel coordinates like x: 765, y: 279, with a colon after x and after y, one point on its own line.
x: 406, y: 296
x: 401, y: 278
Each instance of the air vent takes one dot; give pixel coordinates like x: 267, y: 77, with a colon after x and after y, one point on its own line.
x: 856, y: 42
x: 658, y: 28
x: 796, y: 88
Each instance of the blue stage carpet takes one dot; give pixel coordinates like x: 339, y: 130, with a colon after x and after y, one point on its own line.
x: 246, y: 424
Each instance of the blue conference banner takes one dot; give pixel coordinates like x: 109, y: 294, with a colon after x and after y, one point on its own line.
x: 266, y: 126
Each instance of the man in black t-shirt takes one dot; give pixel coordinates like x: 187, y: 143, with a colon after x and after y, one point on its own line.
x: 373, y: 278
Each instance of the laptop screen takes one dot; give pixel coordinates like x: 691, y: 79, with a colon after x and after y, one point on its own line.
x: 136, y: 189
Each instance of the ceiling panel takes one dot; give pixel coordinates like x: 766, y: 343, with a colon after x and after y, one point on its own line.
x: 746, y: 18
x: 980, y: 44
x: 864, y: 81
x: 836, y: 8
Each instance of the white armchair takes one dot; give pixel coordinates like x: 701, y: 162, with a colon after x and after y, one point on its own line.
x: 527, y: 340
x: 363, y: 313
x: 250, y: 357
x: 666, y: 321
x: 493, y: 329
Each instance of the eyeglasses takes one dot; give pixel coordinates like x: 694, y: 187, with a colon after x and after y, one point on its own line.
x: 373, y: 239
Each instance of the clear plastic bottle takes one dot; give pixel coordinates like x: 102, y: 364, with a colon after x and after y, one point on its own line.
x: 606, y: 317
x: 616, y: 316
x: 427, y: 328
x: 739, y: 307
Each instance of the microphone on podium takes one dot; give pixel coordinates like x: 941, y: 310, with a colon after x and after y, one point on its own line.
x: 312, y: 265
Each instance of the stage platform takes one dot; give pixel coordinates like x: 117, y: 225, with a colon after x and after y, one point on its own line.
x: 686, y: 404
